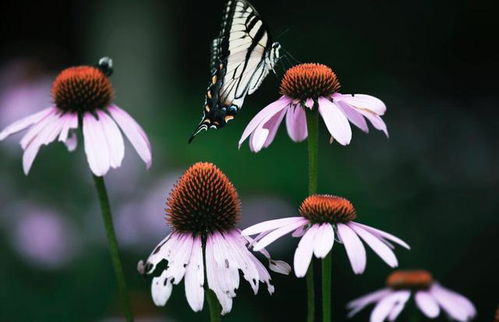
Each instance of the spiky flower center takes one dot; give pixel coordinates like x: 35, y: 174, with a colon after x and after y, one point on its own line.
x: 82, y: 89
x: 327, y: 208
x: 309, y: 81
x: 410, y: 279
x: 203, y: 200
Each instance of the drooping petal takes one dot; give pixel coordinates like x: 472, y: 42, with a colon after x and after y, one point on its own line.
x: 382, y: 234
x: 376, y: 121
x: 304, y: 251
x: 354, y: 116
x: 25, y: 122
x: 70, y: 122
x: 161, y: 289
x: 52, y: 126
x: 336, y: 122
x: 358, y: 304
x: 384, y: 307
x: 427, y: 304
x: 194, y: 277
x: 96, y: 147
x: 114, y: 139
x: 363, y: 102
x: 300, y: 231
x: 398, y: 307
x: 272, y: 236
x: 71, y: 142
x: 270, y: 225
x: 279, y: 266
x: 160, y: 252
x: 455, y: 305
x: 265, y: 133
x: 354, y: 248
x: 264, y: 114
x: 133, y: 132
x: 34, y: 131
x: 296, y: 123
x: 324, y: 240
x: 377, y: 245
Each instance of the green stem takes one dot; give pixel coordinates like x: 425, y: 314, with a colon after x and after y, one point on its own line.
x: 326, y: 288
x: 313, y: 169
x: 113, y: 244
x: 213, y: 305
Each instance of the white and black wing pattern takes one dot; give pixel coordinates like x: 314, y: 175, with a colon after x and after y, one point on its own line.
x: 241, y: 58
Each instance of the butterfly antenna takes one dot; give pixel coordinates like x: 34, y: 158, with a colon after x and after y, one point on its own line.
x: 291, y: 56
x: 285, y: 31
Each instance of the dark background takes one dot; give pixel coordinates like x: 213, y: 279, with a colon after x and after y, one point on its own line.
x: 434, y: 182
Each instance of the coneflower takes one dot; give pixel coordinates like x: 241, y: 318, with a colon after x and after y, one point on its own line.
x: 429, y: 295
x: 313, y: 87
x: 86, y: 93
x: 203, y: 210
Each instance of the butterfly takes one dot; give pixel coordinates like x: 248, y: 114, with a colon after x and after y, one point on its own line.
x: 241, y: 57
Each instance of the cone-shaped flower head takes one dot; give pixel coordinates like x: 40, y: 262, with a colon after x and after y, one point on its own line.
x: 313, y: 88
x: 322, y: 218
x: 203, y: 210
x: 83, y: 93
x: 429, y: 295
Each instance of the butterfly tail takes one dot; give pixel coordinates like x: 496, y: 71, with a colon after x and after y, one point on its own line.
x: 201, y: 127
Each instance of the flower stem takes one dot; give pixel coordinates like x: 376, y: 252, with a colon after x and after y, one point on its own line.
x: 313, y: 169
x: 326, y: 288
x: 113, y: 244
x: 213, y: 305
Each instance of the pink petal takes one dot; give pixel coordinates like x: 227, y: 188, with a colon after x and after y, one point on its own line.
x: 336, y: 122
x: 271, y: 224
x: 354, y: 116
x: 354, y: 248
x: 70, y: 122
x: 273, y: 125
x: 386, y: 305
x: 265, y: 133
x: 71, y: 142
x: 264, y: 114
x: 279, y: 266
x: 272, y: 236
x: 376, y: 121
x: 324, y: 240
x: 456, y: 305
x: 37, y: 128
x: 161, y: 289
x: 96, y: 147
x: 296, y: 123
x: 194, y: 277
x: 304, y: 251
x: 360, y: 303
x: 377, y: 245
x: 398, y: 307
x: 114, y: 139
x: 309, y: 102
x: 23, y: 123
x: 385, y: 235
x: 363, y: 102
x: 427, y: 304
x: 52, y: 126
x: 133, y: 132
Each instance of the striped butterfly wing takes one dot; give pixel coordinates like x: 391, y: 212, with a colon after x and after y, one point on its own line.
x: 241, y: 58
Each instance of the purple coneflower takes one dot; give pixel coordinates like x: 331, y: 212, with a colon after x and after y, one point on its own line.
x: 313, y: 87
x: 322, y: 218
x: 86, y: 93
x: 430, y: 298
x: 203, y: 210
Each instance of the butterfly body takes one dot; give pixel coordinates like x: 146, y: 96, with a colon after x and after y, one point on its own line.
x: 241, y: 57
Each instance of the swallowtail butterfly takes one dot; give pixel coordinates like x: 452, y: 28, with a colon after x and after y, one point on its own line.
x: 241, y: 57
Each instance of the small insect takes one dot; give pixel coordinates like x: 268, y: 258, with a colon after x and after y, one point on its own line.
x: 241, y: 57
x: 105, y: 64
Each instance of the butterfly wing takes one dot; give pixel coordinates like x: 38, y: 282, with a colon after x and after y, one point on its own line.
x: 241, y: 58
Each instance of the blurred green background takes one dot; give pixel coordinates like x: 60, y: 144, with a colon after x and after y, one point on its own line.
x: 434, y: 182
